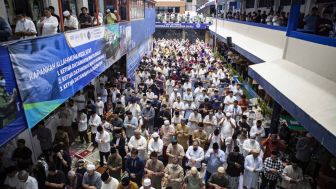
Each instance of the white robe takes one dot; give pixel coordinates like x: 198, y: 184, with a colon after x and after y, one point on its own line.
x: 250, y: 177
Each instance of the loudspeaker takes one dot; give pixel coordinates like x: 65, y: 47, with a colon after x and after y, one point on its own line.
x: 229, y: 41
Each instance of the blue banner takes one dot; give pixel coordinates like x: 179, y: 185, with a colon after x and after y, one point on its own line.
x: 200, y: 26
x: 144, y: 28
x: 134, y: 58
x: 12, y: 120
x: 49, y: 70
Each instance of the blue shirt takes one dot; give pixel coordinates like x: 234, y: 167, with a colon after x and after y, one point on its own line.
x: 214, y: 160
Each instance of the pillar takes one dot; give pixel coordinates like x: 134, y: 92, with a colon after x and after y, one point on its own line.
x: 3, y: 11
x: 275, y: 117
x: 256, y: 3
x: 183, y: 33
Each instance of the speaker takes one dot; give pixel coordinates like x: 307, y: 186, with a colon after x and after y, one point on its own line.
x: 229, y: 41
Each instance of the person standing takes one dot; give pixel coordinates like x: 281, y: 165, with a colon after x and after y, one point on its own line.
x: 135, y: 166
x: 91, y: 178
x: 84, y: 18
x: 193, y: 179
x: 258, y: 130
x: 82, y: 127
x: 253, y: 166
x: 100, y: 106
x: 114, y: 163
x: 94, y: 122
x: 131, y: 124
x: 175, y: 150
x: 154, y: 170
x: 148, y: 114
x: 155, y: 144
x: 292, y: 175
x: 195, y: 155
x: 70, y: 22
x: 173, y: 175
x: 182, y: 132
x: 25, y: 28
x: 272, y: 171
x: 235, y: 167
x: 26, y: 181
x: 5, y: 30
x: 218, y: 179
x: 44, y: 136
x: 110, y: 17
x: 215, y: 158
x: 108, y: 182
x: 103, y: 140
x: 55, y: 179
x: 22, y: 155
x: 48, y: 24
x: 138, y: 142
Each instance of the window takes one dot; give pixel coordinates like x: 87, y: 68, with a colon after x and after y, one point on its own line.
x: 266, y: 3
x: 249, y: 4
x: 137, y: 9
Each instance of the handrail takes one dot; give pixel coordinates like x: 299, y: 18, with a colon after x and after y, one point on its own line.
x: 292, y: 34
x: 280, y: 28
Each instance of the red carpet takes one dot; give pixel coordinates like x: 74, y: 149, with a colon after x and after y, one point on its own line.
x: 82, y: 154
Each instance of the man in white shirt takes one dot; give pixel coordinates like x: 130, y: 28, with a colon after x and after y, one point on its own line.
x: 70, y: 22
x: 155, y: 144
x: 11, y: 177
x: 134, y: 107
x: 179, y: 105
x: 228, y: 100
x: 103, y: 140
x: 258, y: 131
x: 108, y: 182
x: 210, y: 122
x: 94, y: 122
x: 80, y: 100
x: 26, y: 181
x: 194, y: 119
x: 138, y: 142
x: 24, y: 28
x: 228, y: 126
x: 253, y: 166
x: 82, y: 127
x: 249, y: 145
x: 100, y: 106
x: 147, y: 184
x: 48, y: 24
x: 195, y: 155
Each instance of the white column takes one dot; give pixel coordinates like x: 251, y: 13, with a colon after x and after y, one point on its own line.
x: 101, y: 6
x: 308, y: 6
x: 256, y: 3
x: 82, y: 3
x: 3, y: 11
x: 54, y: 3
x: 276, y: 4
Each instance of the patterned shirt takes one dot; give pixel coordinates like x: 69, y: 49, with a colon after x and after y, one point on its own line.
x: 269, y: 164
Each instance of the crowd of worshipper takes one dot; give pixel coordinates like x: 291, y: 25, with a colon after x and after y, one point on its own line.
x: 49, y: 23
x: 177, y: 17
x: 316, y: 22
x: 181, y: 123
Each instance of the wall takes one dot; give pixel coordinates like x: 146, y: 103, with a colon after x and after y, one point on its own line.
x: 312, y: 56
x: 135, y: 55
x: 3, y: 12
x: 269, y: 36
x: 144, y: 28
